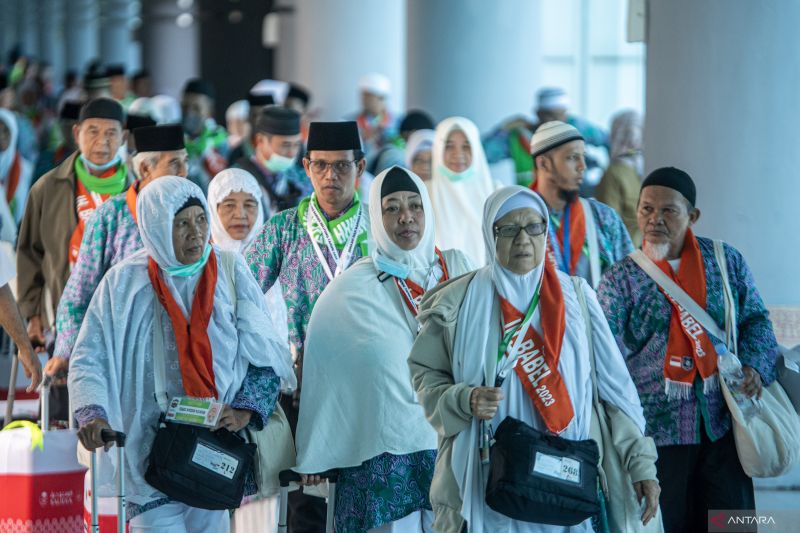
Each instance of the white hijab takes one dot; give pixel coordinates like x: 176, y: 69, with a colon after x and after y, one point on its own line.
x: 518, y: 289
x: 227, y: 182
x: 458, y: 204
x: 7, y: 156
x: 419, y: 141
x: 388, y: 256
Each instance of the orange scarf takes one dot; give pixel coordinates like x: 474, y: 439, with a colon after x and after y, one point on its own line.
x: 537, y: 369
x: 85, y: 205
x: 577, y: 235
x: 130, y: 199
x: 689, y: 348
x: 12, y: 179
x: 194, y: 346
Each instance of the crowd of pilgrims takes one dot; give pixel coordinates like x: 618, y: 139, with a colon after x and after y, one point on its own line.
x: 377, y: 266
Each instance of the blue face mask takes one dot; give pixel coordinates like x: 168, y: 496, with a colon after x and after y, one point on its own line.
x: 384, y: 264
x: 456, y: 176
x: 184, y: 271
x: 193, y: 124
x: 278, y: 163
x: 99, y: 168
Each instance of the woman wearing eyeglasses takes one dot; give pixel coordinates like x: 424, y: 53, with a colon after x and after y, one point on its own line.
x: 508, y: 344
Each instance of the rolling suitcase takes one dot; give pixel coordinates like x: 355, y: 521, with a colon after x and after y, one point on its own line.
x: 97, y: 517
x: 286, y: 478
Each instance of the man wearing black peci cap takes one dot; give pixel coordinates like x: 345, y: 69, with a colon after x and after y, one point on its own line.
x: 118, y: 85
x: 206, y: 141
x: 274, y: 163
x: 305, y: 247
x: 676, y: 362
x: 112, y: 233
x: 58, y: 206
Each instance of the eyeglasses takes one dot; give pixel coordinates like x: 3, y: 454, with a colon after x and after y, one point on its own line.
x: 318, y: 166
x: 512, y: 230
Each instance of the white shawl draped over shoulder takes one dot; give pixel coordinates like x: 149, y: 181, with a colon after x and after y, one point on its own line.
x: 358, y: 401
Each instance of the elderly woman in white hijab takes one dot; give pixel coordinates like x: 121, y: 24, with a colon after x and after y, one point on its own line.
x: 358, y: 411
x: 509, y: 341
x: 460, y: 185
x: 15, y: 171
x: 234, y: 198
x: 217, y: 343
x: 419, y: 154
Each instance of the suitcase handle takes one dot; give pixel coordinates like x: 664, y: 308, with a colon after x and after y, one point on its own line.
x: 287, y: 476
x: 117, y: 437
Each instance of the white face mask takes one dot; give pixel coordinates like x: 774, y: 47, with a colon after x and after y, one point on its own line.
x: 278, y: 163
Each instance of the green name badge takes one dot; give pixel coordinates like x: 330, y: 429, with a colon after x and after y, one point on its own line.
x: 185, y: 410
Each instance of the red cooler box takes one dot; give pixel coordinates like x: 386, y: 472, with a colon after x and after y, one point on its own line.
x: 41, y: 480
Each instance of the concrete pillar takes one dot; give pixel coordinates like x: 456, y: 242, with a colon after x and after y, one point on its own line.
x: 81, y: 19
x: 9, y: 28
x: 51, y: 48
x: 115, y: 33
x: 335, y: 43
x: 170, y: 52
x: 469, y: 58
x: 29, y: 29
x: 722, y: 82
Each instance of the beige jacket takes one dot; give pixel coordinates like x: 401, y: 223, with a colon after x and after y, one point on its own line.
x: 43, y: 246
x: 447, y: 408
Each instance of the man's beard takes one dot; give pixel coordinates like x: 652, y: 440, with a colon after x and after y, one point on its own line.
x: 568, y: 196
x: 656, y: 252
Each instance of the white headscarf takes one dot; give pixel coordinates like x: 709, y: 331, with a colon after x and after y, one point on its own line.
x: 156, y: 207
x: 227, y: 182
x: 518, y: 289
x: 388, y: 256
x: 458, y: 204
x: 419, y: 141
x: 7, y: 156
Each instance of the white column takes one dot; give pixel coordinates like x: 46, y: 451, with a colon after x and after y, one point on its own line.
x: 51, y: 47
x: 722, y: 104
x: 115, y: 33
x: 80, y: 33
x: 29, y: 29
x: 469, y: 58
x: 170, y: 52
x: 335, y: 43
x: 8, y: 27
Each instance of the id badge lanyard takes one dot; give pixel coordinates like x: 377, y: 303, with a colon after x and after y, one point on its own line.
x: 504, y: 366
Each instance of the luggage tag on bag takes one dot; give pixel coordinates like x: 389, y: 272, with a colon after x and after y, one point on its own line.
x: 563, y: 468
x: 192, y: 411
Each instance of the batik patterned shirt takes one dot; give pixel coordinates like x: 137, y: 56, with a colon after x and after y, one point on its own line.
x: 111, y: 235
x: 614, y: 241
x: 639, y: 316
x: 282, y: 251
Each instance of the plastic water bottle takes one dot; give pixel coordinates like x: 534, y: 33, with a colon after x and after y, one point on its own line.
x: 730, y: 369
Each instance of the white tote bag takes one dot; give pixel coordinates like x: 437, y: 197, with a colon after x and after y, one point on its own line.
x: 768, y: 444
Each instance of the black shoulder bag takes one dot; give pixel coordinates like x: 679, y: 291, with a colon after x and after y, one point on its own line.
x: 192, y: 464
